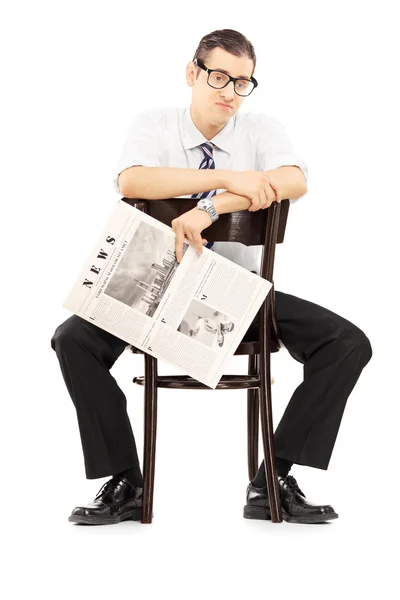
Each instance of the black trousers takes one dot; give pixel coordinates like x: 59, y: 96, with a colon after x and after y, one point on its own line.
x: 332, y: 350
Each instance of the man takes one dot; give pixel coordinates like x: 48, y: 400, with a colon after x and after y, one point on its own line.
x: 230, y: 161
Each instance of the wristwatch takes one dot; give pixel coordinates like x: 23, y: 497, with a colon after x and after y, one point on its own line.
x: 207, y: 205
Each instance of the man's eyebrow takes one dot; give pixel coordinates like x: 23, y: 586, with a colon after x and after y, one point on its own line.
x: 226, y: 73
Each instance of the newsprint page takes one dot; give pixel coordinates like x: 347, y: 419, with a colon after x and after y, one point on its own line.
x: 192, y: 315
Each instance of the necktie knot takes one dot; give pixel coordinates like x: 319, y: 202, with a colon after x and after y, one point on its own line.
x: 207, y: 148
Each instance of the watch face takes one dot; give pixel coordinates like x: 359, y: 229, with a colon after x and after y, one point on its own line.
x: 203, y: 203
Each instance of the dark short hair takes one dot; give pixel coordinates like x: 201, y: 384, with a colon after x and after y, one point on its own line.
x: 228, y: 39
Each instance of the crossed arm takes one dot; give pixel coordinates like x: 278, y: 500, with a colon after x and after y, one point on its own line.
x: 246, y: 190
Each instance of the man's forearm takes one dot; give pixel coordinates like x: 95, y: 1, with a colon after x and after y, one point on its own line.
x: 227, y: 202
x: 160, y: 183
x: 289, y: 181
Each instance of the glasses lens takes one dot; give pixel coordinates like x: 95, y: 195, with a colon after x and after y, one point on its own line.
x: 217, y: 79
x: 244, y: 87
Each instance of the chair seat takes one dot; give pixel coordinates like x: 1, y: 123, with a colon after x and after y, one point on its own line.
x: 227, y: 382
x: 245, y: 348
x: 250, y: 348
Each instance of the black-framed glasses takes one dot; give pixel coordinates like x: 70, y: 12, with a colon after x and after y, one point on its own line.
x: 218, y: 80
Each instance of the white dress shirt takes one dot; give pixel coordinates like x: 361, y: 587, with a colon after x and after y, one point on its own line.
x: 167, y: 137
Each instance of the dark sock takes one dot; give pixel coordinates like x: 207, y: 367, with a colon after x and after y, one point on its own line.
x: 282, y: 466
x: 133, y: 475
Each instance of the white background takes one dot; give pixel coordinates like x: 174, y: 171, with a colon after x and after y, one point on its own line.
x: 74, y: 76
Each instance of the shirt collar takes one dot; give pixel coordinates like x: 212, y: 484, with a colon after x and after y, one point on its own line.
x: 192, y: 137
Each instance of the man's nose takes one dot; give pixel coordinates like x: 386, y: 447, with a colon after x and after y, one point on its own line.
x: 228, y: 92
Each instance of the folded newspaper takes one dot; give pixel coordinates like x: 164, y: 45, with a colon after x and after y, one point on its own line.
x: 192, y: 315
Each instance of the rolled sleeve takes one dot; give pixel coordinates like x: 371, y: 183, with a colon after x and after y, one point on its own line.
x: 140, y: 147
x: 274, y: 148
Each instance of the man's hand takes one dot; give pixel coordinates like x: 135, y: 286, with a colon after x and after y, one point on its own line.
x: 256, y: 185
x: 189, y: 226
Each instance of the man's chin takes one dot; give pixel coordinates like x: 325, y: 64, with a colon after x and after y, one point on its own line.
x: 221, y: 115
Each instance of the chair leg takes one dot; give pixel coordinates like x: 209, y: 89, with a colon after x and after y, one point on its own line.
x: 267, y: 424
x: 150, y: 434
x: 252, y: 419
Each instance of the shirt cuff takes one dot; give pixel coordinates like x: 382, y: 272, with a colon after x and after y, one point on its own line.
x: 288, y: 160
x: 123, y: 167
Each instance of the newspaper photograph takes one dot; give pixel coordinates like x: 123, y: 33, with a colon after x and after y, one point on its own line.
x: 192, y: 315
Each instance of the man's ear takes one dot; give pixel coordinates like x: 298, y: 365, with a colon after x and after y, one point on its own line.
x: 190, y: 74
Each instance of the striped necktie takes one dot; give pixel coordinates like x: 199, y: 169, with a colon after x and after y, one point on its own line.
x: 207, y: 163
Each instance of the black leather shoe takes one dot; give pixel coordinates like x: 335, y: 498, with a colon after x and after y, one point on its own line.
x: 117, y: 500
x: 295, y: 506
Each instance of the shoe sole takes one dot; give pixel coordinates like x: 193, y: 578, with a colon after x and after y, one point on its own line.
x: 258, y: 512
x: 133, y: 515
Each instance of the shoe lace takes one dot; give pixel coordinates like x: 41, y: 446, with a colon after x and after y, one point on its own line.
x: 109, y: 486
x: 293, y: 485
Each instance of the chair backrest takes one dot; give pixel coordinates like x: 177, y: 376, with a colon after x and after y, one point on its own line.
x: 263, y: 227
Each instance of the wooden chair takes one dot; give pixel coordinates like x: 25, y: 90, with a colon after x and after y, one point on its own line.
x: 264, y: 227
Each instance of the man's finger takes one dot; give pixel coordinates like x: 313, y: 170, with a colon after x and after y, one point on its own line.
x: 195, y: 238
x: 180, y: 237
x: 257, y: 202
x: 276, y: 191
x: 253, y: 201
x: 263, y: 199
x: 198, y: 242
x: 188, y: 235
x: 270, y: 195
